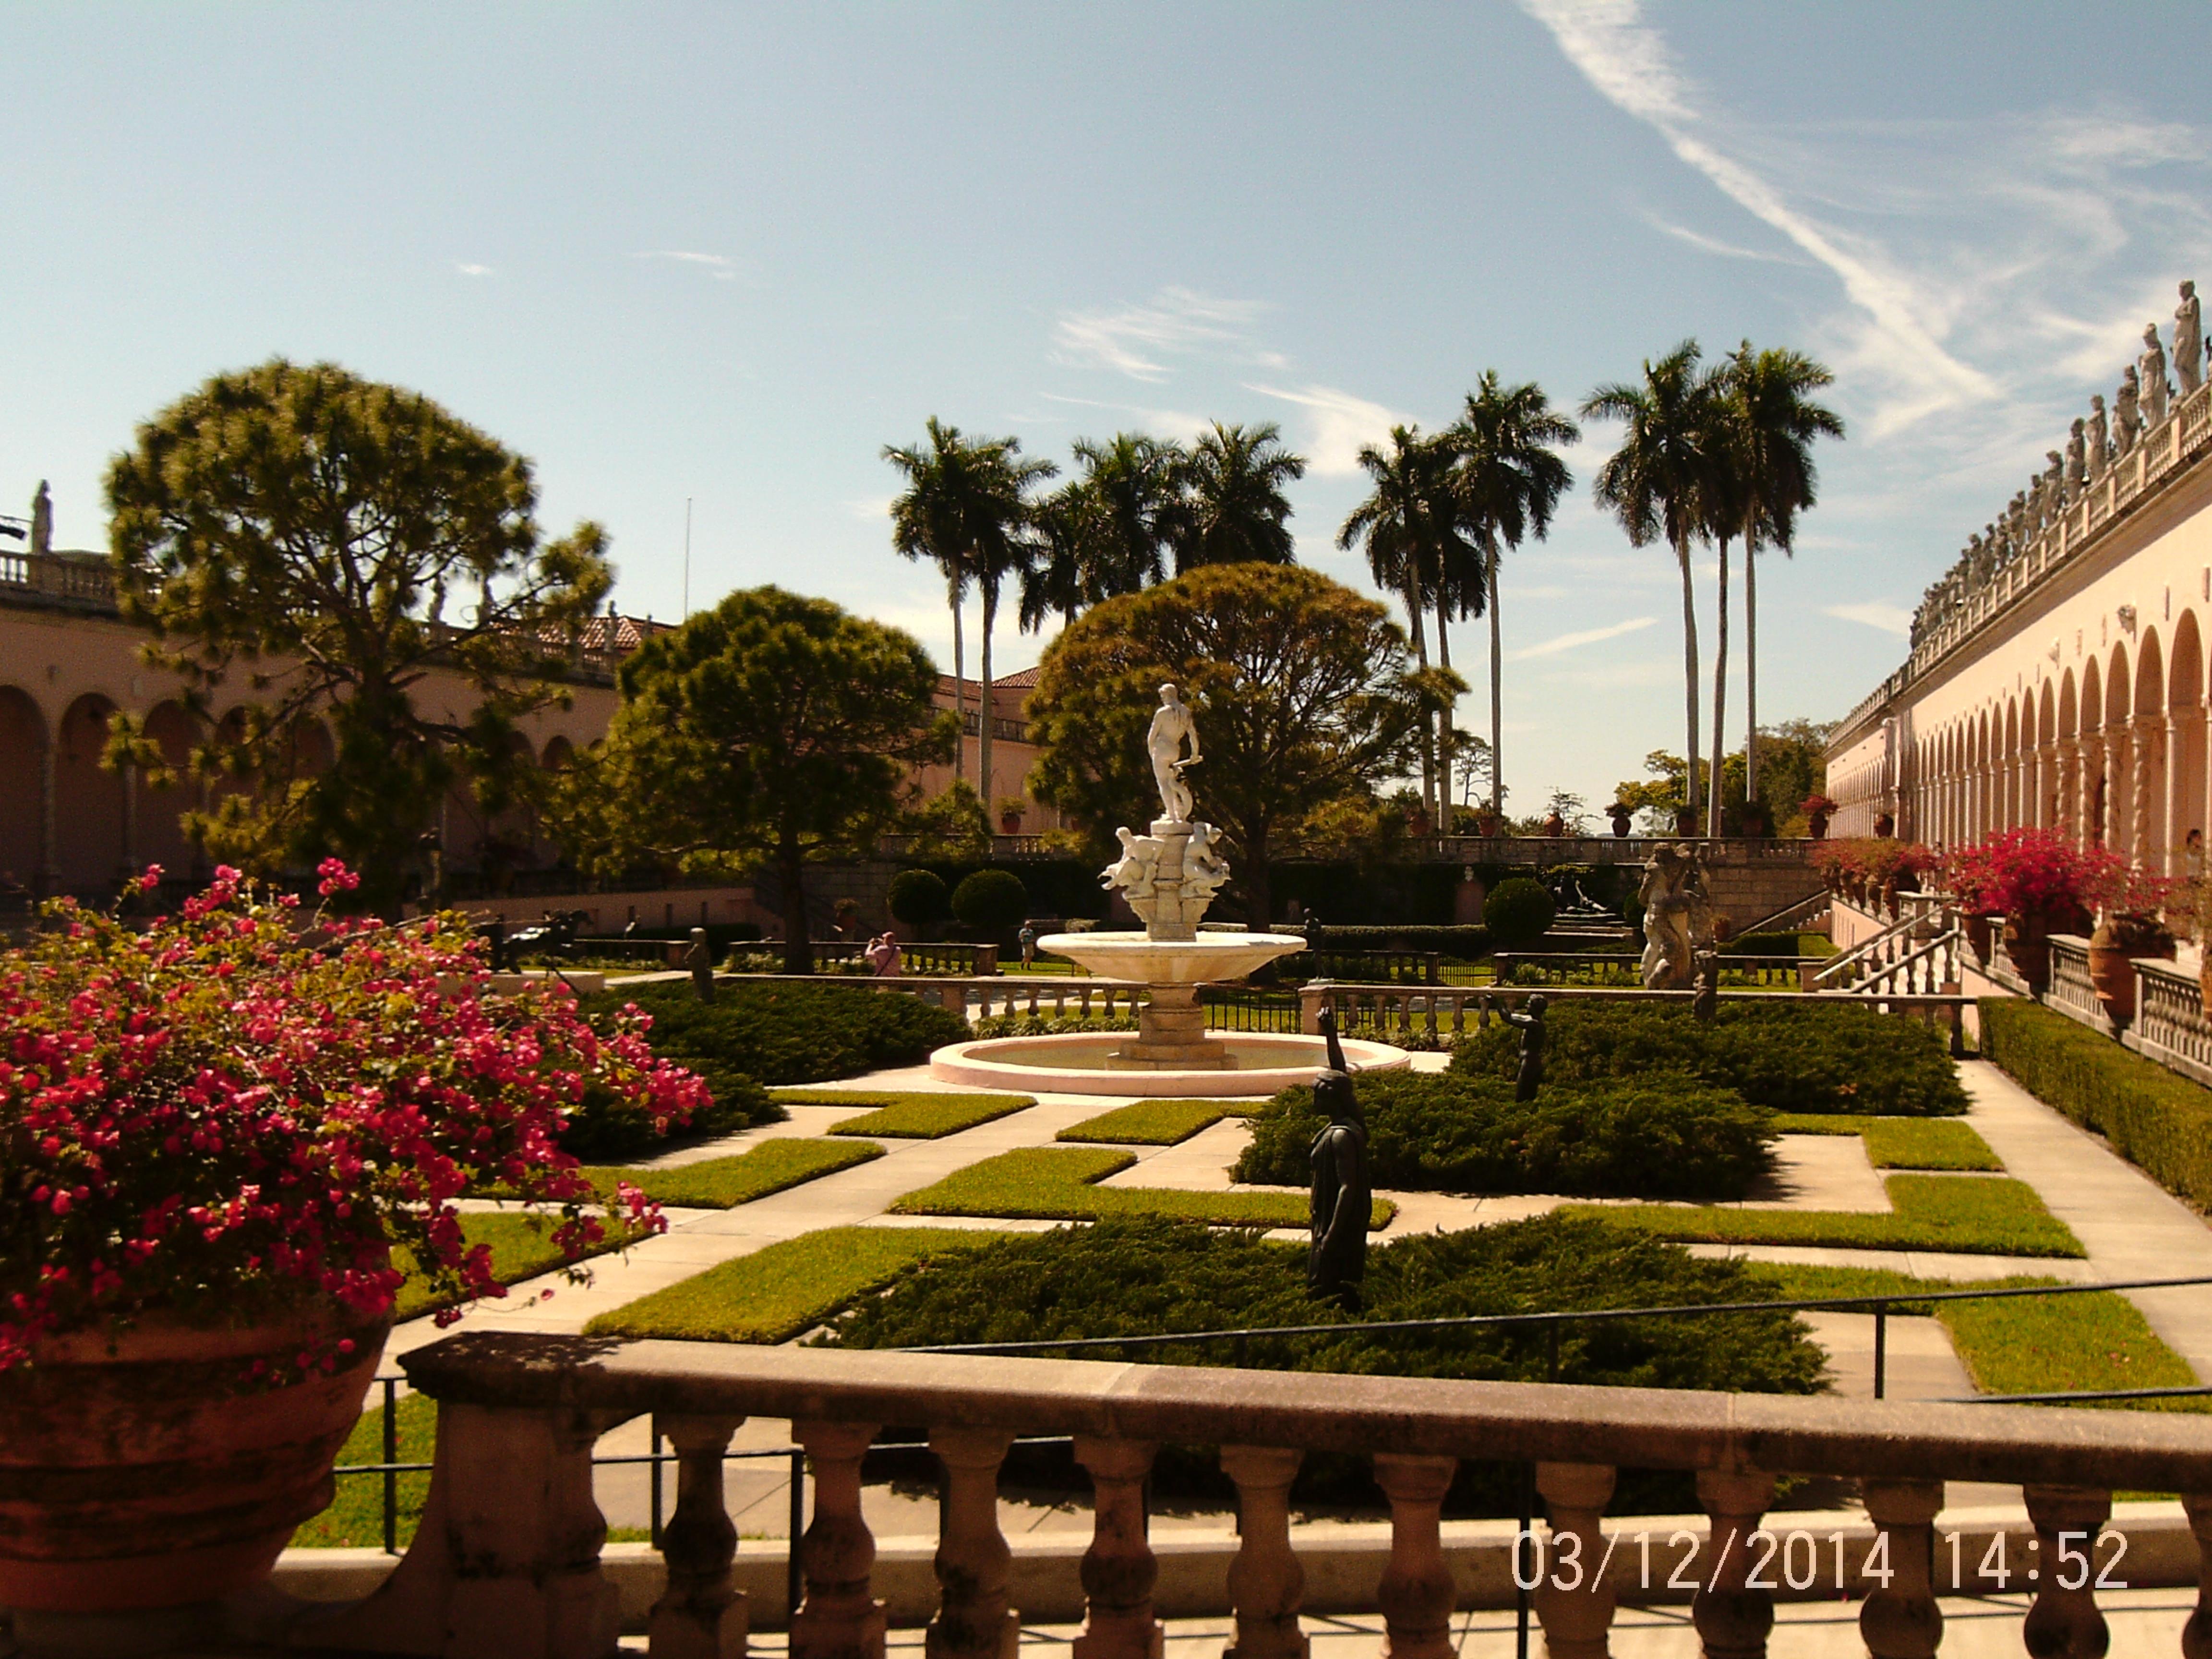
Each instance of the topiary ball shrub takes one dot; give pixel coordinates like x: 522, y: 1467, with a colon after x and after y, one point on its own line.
x: 1518, y: 912
x: 1790, y: 1057
x: 1667, y: 1135
x: 1147, y: 1275
x: 918, y: 897
x: 990, y: 903
x: 787, y: 1034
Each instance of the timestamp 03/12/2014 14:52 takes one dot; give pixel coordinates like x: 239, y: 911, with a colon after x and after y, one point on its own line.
x: 1791, y: 1560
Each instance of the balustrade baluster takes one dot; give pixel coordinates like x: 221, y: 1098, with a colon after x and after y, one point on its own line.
x: 700, y: 1615
x: 1416, y: 1593
x: 1573, y: 1602
x: 1901, y: 1620
x: 2064, y: 1622
x: 1266, y: 1583
x: 973, y: 1562
x: 839, y: 1618
x: 2197, y: 1634
x: 1119, y: 1569
x: 1732, y: 1619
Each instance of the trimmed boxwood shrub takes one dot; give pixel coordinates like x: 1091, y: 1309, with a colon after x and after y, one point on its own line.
x: 917, y: 897
x: 1140, y: 1276
x: 990, y: 902
x: 1666, y: 1135
x: 1790, y: 1057
x: 2153, y: 1118
x: 782, y: 1034
x: 1518, y: 912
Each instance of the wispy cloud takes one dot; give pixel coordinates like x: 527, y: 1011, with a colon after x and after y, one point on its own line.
x: 720, y: 266
x: 1337, y: 425
x: 872, y: 508
x: 1630, y: 65
x: 1713, y: 245
x: 1551, y: 647
x: 1873, y: 613
x: 472, y: 270
x: 1134, y: 339
x: 1177, y: 423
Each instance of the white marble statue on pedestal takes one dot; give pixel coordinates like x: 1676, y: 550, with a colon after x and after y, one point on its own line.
x: 2100, y: 442
x: 1171, y: 876
x: 2150, y: 377
x: 1171, y: 725
x: 2189, y: 340
x: 2127, y: 413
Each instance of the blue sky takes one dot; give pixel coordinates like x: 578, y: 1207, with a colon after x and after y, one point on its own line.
x: 729, y: 252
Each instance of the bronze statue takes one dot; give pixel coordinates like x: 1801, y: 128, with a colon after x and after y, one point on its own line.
x: 1531, y: 1021
x: 1342, y: 1193
x: 700, y: 959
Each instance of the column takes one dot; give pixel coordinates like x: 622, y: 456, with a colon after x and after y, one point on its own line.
x: 1573, y: 1602
x: 2185, y: 750
x: 1266, y: 1582
x: 700, y: 1615
x: 130, y: 865
x: 2064, y: 1622
x: 1416, y: 1593
x: 50, y: 831
x: 838, y: 1618
x: 1731, y: 1618
x: 2048, y: 784
x: 1119, y: 1569
x: 2148, y: 832
x: 1901, y: 1620
x: 2069, y: 789
x: 974, y: 1620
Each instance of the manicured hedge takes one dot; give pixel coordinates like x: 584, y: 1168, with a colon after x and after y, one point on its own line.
x: 1518, y: 912
x: 789, y: 1033
x: 1791, y: 1057
x: 2153, y: 1117
x: 1132, y: 1277
x: 1662, y: 1136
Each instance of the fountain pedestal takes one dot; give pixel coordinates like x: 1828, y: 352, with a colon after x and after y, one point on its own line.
x: 1171, y: 1036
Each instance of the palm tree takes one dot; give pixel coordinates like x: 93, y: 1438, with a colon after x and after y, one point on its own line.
x: 1772, y: 423
x: 1658, y: 483
x: 1233, y: 507
x: 1509, y: 482
x: 967, y: 507
x: 1406, y: 521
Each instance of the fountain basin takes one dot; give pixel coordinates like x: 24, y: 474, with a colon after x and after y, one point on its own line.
x: 1144, y: 960
x: 1080, y: 1063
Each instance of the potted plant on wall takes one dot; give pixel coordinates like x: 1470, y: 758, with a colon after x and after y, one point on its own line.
x: 2129, y: 926
x: 217, y: 1136
x: 1818, y: 810
x: 2039, y: 881
x: 1622, y: 820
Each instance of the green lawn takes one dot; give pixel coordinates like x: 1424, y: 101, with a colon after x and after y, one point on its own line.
x: 774, y: 1294
x: 520, y: 1250
x: 907, y: 1115
x: 2020, y: 1345
x: 1933, y: 1212
x: 1152, y: 1123
x: 1055, y: 1184
x: 1900, y: 1143
x: 719, y: 1184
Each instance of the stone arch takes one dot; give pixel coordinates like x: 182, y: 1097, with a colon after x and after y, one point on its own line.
x: 89, y: 801
x: 560, y: 755
x: 160, y: 837
x: 309, y: 751
x: 2148, y: 786
x: 2119, y: 683
x: 2010, y: 792
x: 2186, y: 771
x: 22, y: 795
x: 2047, y: 814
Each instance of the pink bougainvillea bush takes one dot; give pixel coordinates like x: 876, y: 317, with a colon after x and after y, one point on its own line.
x: 243, y: 1108
x: 2035, y: 876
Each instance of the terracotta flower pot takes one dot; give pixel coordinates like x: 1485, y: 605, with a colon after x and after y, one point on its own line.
x: 1978, y: 937
x: 156, y: 1475
x: 2027, y: 944
x: 2113, y: 976
x: 1817, y: 824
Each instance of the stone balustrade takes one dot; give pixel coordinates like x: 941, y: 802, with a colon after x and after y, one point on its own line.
x: 506, y: 1564
x: 2170, y: 1026
x: 2156, y: 461
x: 2071, y: 990
x: 1560, y: 967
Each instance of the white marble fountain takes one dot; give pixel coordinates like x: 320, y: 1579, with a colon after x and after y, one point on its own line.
x: 1169, y: 877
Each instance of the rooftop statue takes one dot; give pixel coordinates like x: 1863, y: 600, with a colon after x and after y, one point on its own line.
x: 2127, y: 416
x: 2151, y: 379
x: 2188, y: 341
x: 42, y: 521
x: 2077, y: 459
x: 2099, y: 438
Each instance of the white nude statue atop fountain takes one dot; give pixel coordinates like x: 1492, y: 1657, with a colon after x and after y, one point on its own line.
x: 1168, y: 875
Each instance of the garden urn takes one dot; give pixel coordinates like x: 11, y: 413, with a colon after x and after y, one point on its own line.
x: 1816, y: 825
x: 2028, y: 945
x: 1621, y: 822
x: 1976, y: 927
x: 2113, y: 948
x: 165, y: 1465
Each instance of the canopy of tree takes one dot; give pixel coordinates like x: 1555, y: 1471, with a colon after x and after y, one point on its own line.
x: 773, y: 727
x: 1300, y: 686
x: 330, y: 541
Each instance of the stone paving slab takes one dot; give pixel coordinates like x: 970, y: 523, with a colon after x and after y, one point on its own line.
x: 2131, y: 1227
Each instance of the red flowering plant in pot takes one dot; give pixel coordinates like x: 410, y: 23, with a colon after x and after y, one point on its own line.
x: 2129, y: 925
x: 2039, y: 881
x: 220, y: 1136
x: 1818, y: 810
